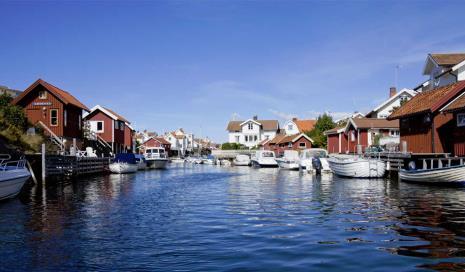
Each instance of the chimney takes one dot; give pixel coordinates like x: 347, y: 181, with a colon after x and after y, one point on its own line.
x: 392, y: 91
x: 294, y: 119
x: 255, y: 117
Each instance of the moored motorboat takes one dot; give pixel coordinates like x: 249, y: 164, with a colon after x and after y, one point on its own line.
x: 264, y: 158
x: 357, y: 167
x: 156, y: 157
x: 13, y: 175
x: 124, y: 163
x: 289, y: 161
x: 315, y: 160
x: 141, y: 163
x: 445, y: 175
x: 242, y: 160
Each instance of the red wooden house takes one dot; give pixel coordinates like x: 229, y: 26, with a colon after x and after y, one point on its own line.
x: 155, y: 142
x: 288, y: 142
x: 57, y: 111
x: 432, y: 122
x: 112, y: 128
x: 359, y: 132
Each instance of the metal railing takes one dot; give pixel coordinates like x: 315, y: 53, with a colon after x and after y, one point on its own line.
x: 6, y: 164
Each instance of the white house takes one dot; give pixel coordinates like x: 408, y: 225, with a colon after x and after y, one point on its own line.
x: 443, y: 69
x: 395, y: 100
x: 252, y: 131
x: 181, y: 142
x: 296, y: 126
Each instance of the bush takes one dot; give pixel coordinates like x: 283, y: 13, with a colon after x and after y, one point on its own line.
x: 232, y: 146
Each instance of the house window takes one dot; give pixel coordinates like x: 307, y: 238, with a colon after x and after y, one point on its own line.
x: 289, y: 144
x: 42, y: 95
x: 255, y: 138
x: 65, y: 117
x: 99, y: 126
x: 352, y: 135
x: 302, y: 144
x: 394, y: 133
x: 237, y: 139
x: 290, y: 127
x: 267, y: 137
x: 461, y: 119
x: 250, y: 126
x: 121, y: 125
x: 54, y: 117
x: 246, y: 138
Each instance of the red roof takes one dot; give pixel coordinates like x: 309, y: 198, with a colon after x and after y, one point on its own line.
x: 429, y: 101
x: 305, y: 125
x: 62, y: 95
x: 121, y: 118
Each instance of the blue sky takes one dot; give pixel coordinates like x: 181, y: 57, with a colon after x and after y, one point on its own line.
x: 193, y: 64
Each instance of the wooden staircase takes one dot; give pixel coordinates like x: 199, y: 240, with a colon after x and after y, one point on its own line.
x: 54, y: 139
x: 97, y: 142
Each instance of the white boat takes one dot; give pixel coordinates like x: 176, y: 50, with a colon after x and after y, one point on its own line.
x: 209, y: 160
x: 357, y: 167
x: 124, y: 163
x: 451, y: 174
x: 225, y: 163
x: 308, y: 157
x: 242, y: 160
x: 13, y: 175
x: 290, y: 160
x: 141, y: 163
x: 156, y: 157
x: 264, y: 158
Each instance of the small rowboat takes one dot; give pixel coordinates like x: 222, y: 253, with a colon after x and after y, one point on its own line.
x: 451, y: 174
x: 357, y: 167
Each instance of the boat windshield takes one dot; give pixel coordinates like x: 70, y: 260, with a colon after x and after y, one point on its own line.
x: 267, y: 154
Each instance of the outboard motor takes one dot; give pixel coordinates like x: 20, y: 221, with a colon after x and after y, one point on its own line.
x: 316, y: 163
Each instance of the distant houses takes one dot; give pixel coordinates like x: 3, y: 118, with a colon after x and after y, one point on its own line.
x: 252, y: 131
x: 182, y: 143
x: 155, y: 142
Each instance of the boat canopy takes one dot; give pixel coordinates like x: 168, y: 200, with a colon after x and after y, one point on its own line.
x: 125, y: 157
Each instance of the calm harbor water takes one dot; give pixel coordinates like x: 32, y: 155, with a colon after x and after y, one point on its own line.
x: 207, y: 218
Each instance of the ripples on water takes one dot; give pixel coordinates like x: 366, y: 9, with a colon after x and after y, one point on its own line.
x: 208, y: 218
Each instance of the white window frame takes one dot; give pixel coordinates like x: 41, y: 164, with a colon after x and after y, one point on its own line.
x: 250, y: 126
x: 42, y: 94
x: 51, y: 123
x: 289, y: 144
x: 290, y: 127
x: 96, y: 126
x: 461, y: 119
x: 304, y: 144
x: 352, y: 136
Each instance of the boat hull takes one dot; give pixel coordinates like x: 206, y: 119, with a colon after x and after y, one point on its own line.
x: 12, y: 181
x: 123, y: 168
x: 265, y: 163
x: 157, y: 163
x: 241, y: 163
x: 454, y: 174
x: 288, y: 165
x: 357, y: 168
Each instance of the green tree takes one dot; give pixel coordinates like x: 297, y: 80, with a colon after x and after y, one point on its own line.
x: 323, y: 123
x: 232, y: 146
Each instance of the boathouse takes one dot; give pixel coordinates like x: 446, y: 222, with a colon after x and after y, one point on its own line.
x: 155, y: 142
x: 432, y: 121
x: 362, y: 133
x: 111, y: 127
x: 57, y: 111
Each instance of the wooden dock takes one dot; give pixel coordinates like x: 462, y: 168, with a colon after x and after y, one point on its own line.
x: 231, y: 154
x: 57, y: 165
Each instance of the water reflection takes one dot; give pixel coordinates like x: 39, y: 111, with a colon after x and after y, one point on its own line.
x: 212, y: 218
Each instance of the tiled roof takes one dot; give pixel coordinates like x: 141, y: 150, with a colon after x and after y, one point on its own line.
x: 448, y: 59
x: 428, y: 101
x: 62, y: 95
x: 457, y: 104
x: 121, y: 118
x: 162, y: 140
x: 266, y: 125
x: 375, y: 123
x: 333, y: 130
x: 277, y: 138
x: 305, y: 125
